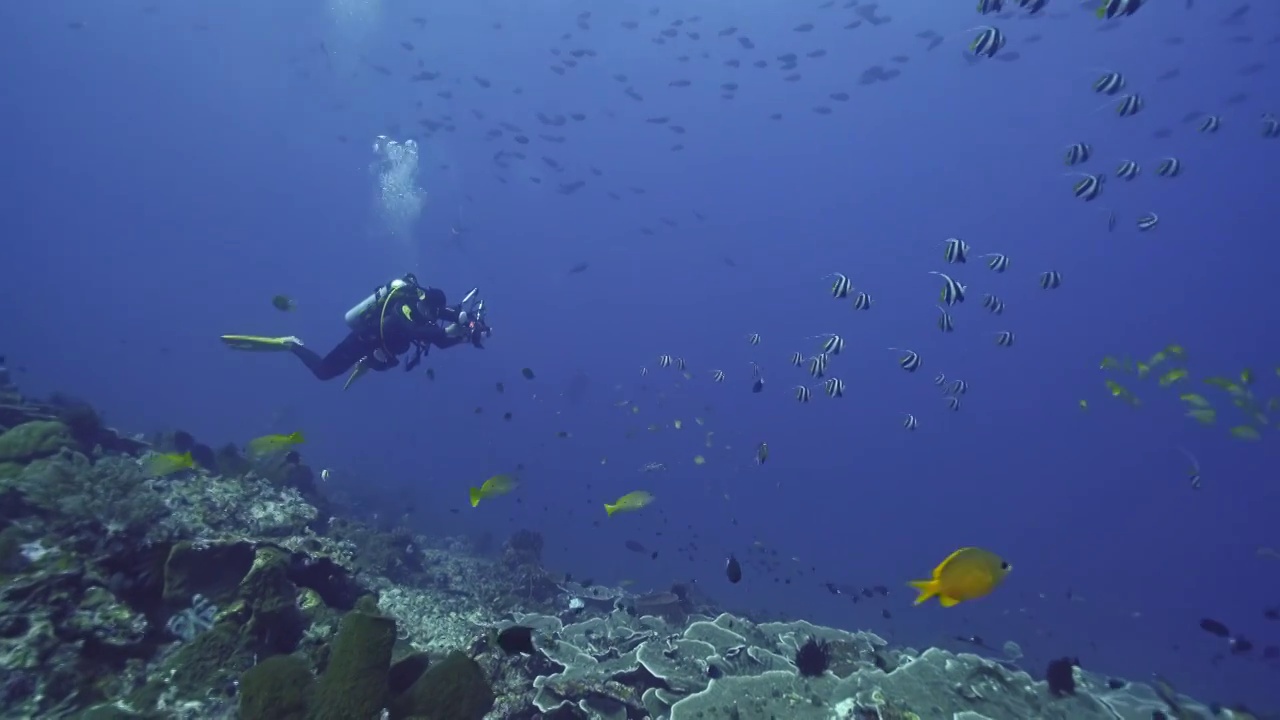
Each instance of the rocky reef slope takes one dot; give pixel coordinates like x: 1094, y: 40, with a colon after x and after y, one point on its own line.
x: 231, y: 590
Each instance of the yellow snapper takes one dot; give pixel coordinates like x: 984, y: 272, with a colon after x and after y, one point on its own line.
x: 630, y: 501
x: 274, y: 443
x: 159, y: 465
x: 966, y: 574
x: 500, y: 484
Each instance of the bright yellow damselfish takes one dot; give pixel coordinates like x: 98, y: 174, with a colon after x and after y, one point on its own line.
x: 268, y: 444
x: 493, y: 487
x: 162, y: 464
x: 967, y: 574
x: 630, y: 501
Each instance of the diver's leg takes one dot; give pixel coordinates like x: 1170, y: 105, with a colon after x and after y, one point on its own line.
x: 340, y: 359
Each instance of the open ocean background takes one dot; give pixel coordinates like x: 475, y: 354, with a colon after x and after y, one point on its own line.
x: 168, y: 169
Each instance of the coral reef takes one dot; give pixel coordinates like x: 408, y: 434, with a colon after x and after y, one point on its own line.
x: 230, y: 590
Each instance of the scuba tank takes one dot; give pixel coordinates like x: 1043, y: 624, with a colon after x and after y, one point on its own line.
x: 357, y: 314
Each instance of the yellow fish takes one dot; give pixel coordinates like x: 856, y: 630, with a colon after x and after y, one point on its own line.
x: 630, y: 501
x: 274, y: 443
x: 967, y: 574
x: 160, y: 465
x: 500, y: 484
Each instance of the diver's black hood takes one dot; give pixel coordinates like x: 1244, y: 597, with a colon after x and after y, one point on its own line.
x: 434, y: 298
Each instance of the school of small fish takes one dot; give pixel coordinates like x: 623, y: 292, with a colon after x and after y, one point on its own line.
x: 1099, y: 175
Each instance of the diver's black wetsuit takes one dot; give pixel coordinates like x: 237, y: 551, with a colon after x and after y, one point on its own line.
x: 407, y: 325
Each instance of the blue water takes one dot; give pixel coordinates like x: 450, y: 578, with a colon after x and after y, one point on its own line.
x: 167, y: 172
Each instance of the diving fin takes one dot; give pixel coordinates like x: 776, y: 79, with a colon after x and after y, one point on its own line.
x: 254, y: 343
x: 356, y: 373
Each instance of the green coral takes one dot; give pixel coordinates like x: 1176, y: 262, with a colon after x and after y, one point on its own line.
x: 454, y: 689
x: 11, y: 560
x: 272, y: 600
x: 355, y: 683
x: 206, y: 661
x: 277, y: 688
x: 33, y: 440
x: 113, y: 492
x: 214, y: 572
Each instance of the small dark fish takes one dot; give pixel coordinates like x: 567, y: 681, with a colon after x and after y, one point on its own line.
x: 517, y: 640
x: 732, y: 569
x: 501, y: 387
x: 579, y: 268
x: 1214, y: 627
x: 527, y: 373
x: 283, y: 303
x: 634, y: 546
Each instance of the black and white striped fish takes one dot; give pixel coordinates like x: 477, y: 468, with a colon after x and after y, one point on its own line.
x: 1088, y: 187
x: 1109, y: 84
x: 955, y: 250
x: 664, y: 361
x: 1148, y: 222
x: 988, y: 42
x: 1050, y: 279
x: 1118, y: 8
x: 944, y: 321
x: 939, y: 379
x: 910, y: 422
x: 717, y: 375
x: 993, y: 304
x: 1210, y: 124
x: 818, y: 365
x: 1004, y: 338
x: 757, y: 379
x: 910, y: 360
x: 832, y: 343
x: 1193, y: 471
x: 1270, y: 126
x: 953, y: 402
x: 1169, y: 167
x: 842, y: 285
x: 952, y: 291
x: 680, y: 365
x: 862, y: 301
x: 1130, y: 105
x: 958, y: 387
x: 1127, y: 170
x: 803, y: 394
x: 986, y: 7
x: 1078, y: 153
x: 644, y: 371
x: 797, y: 359
x: 834, y: 387
x: 998, y: 262
x: 754, y: 338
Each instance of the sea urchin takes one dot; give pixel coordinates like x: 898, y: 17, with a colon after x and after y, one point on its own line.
x: 813, y: 657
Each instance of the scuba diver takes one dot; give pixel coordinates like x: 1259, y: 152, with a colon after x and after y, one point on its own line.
x: 398, y: 316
